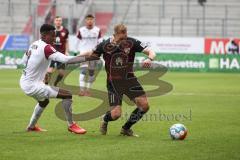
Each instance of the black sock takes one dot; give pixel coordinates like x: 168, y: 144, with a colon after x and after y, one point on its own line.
x: 136, y: 115
x: 107, y: 117
x: 59, y: 78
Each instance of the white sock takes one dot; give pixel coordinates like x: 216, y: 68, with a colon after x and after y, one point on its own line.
x: 35, y: 116
x: 81, y: 81
x: 67, y: 106
x: 90, y: 81
x: 88, y: 85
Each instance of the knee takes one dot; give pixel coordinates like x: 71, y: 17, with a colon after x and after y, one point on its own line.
x: 67, y: 100
x: 143, y: 104
x: 64, y: 94
x: 115, y: 114
x: 44, y: 103
x: 69, y: 96
x: 146, y: 108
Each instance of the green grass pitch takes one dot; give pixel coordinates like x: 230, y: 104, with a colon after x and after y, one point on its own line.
x: 209, y: 104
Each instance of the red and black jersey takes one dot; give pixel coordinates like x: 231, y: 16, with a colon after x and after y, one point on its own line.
x: 119, y: 58
x: 61, y: 39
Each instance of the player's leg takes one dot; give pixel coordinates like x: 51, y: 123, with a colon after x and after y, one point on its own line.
x: 66, y: 97
x: 39, y: 108
x: 82, y: 77
x: 115, y: 101
x: 60, y: 68
x: 91, y: 76
x: 112, y: 115
x: 142, y: 107
x: 42, y: 93
x: 139, y: 97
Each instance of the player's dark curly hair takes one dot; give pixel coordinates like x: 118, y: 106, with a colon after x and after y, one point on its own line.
x: 46, y: 28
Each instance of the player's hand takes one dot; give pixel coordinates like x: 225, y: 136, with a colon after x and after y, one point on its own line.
x: 147, y: 63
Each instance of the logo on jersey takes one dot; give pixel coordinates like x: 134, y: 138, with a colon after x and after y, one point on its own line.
x: 63, y: 34
x: 127, y: 50
x: 119, y: 61
x: 58, y: 41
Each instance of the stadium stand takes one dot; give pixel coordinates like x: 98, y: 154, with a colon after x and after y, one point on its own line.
x: 217, y: 18
x: 103, y: 20
x: 14, y: 15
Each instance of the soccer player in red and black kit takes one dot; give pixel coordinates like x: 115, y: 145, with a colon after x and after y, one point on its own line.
x: 61, y: 45
x: 119, y: 53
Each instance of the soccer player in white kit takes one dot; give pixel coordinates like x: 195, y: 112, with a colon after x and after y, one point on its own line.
x: 37, y: 60
x: 88, y: 38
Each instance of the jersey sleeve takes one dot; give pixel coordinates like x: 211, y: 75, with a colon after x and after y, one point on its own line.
x: 99, y: 49
x: 139, y: 46
x: 58, y: 56
x: 49, y: 50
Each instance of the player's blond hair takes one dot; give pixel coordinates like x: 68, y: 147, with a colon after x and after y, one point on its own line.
x: 120, y: 28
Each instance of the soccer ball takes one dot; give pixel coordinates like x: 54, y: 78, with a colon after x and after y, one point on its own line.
x: 178, y: 132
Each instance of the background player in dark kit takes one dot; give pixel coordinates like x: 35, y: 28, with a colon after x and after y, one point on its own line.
x: 61, y: 45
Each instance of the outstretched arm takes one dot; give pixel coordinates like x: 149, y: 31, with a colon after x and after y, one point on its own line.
x: 57, y: 56
x: 52, y: 54
x: 79, y: 59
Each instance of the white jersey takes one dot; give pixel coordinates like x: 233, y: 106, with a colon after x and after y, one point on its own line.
x: 37, y: 60
x: 88, y: 38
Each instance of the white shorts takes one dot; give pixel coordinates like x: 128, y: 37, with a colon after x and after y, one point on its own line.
x: 39, y: 91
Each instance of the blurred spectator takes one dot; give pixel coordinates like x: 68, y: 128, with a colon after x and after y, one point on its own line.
x: 233, y: 47
x: 201, y: 2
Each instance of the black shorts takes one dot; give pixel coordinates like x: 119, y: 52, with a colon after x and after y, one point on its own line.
x: 116, y: 88
x: 58, y: 65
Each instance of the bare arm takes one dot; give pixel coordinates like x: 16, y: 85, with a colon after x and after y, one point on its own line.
x: 80, y: 59
x: 57, y: 56
x: 150, y: 53
x: 88, y: 53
